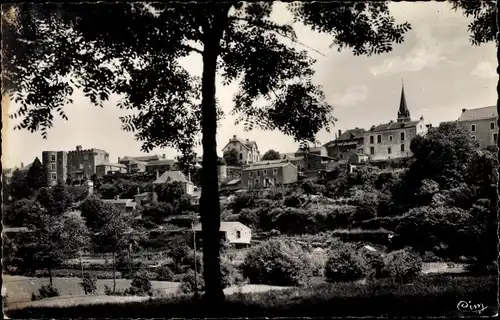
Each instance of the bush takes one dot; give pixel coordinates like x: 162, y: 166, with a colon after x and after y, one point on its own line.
x: 250, y: 217
x: 296, y: 221
x: 293, y: 201
x: 109, y: 292
x: 188, y: 282
x: 45, y: 291
x: 230, y: 275
x: 402, y: 265
x: 375, y: 261
x: 345, y: 264
x: 165, y: 273
x: 340, y: 216
x: 241, y: 201
x: 89, y: 283
x: 140, y: 284
x: 277, y: 262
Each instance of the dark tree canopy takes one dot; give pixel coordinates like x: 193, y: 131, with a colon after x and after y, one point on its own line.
x: 271, y: 155
x: 36, y: 178
x: 231, y: 157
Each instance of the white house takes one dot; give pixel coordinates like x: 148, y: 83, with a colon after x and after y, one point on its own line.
x: 235, y: 232
x: 248, y: 152
x: 171, y: 176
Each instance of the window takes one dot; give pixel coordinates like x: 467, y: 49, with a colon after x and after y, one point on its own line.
x: 360, y: 150
x: 241, y: 156
x: 372, y: 150
x: 54, y: 176
x: 379, y: 139
x: 390, y: 138
x: 492, y: 125
x: 258, y: 174
x: 250, y: 174
x: 389, y: 150
x: 249, y: 183
x: 402, y: 136
x: 371, y: 139
x: 238, y: 234
x: 275, y: 171
x: 256, y: 182
x: 420, y: 126
x: 264, y: 172
x: 495, y: 138
x: 53, y: 157
x: 473, y: 128
x: 402, y: 148
x: 240, y: 148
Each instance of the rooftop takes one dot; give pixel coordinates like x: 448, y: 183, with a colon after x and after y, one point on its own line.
x: 392, y: 125
x: 225, y: 226
x: 267, y: 165
x: 110, y: 164
x: 171, y: 176
x: 479, y: 113
x: 162, y: 162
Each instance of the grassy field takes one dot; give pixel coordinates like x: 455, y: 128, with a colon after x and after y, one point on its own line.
x: 429, y: 296
x: 19, y: 289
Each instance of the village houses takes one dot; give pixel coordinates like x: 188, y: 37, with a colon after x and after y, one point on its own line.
x: 247, y: 150
x: 481, y: 124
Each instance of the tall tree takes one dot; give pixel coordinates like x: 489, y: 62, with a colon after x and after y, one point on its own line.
x: 231, y: 157
x: 36, y: 177
x: 138, y: 55
x: 271, y: 155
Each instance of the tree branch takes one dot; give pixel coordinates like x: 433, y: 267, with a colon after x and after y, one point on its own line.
x: 252, y: 23
x: 188, y: 47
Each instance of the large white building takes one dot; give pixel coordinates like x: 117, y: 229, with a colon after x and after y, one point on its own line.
x: 247, y: 150
x: 392, y: 140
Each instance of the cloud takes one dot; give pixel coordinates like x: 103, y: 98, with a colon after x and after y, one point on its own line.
x: 428, y: 52
x: 484, y: 69
x: 351, y: 96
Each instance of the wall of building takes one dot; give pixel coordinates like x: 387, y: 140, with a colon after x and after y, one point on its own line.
x: 485, y: 131
x: 389, y: 146
x: 55, y: 165
x: 290, y: 174
x: 245, y: 154
x: 245, y: 235
x: 345, y: 149
x: 85, y: 160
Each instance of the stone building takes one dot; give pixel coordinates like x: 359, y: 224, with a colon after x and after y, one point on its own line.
x: 481, y: 124
x: 82, y: 162
x: 247, y: 150
x: 346, y: 143
x: 392, y: 140
x: 55, y: 165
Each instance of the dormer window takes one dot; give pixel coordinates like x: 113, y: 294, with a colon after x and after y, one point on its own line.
x: 402, y: 136
x: 492, y: 125
x: 473, y: 128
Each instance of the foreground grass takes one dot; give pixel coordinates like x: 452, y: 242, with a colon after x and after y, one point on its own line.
x: 429, y: 296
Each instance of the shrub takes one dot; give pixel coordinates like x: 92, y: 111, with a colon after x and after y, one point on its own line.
x: 340, y: 216
x: 277, y: 262
x: 250, y: 217
x: 188, y: 282
x: 165, y: 273
x: 140, y: 284
x: 241, y: 201
x: 318, y: 260
x: 375, y: 261
x: 296, y: 221
x: 45, y: 291
x: 345, y: 264
x: 402, y: 265
x: 109, y: 292
x: 230, y: 274
x: 89, y: 283
x: 293, y: 201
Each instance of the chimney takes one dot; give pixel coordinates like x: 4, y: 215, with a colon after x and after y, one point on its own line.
x: 234, y: 136
x: 78, y: 148
x: 421, y: 117
x: 157, y: 174
x: 340, y: 133
x: 164, y: 156
x: 189, y: 176
x: 138, y: 190
x: 119, y: 159
x: 463, y: 110
x: 22, y: 165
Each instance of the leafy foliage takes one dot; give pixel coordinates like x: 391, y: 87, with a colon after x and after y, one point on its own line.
x: 277, y: 262
x: 89, y: 283
x: 402, y: 266
x: 271, y: 155
x: 231, y: 157
x: 36, y: 177
x: 345, y: 263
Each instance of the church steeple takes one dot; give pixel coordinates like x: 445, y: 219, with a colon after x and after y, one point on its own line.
x: 403, y: 113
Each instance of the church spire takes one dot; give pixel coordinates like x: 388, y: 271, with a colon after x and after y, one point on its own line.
x: 403, y: 113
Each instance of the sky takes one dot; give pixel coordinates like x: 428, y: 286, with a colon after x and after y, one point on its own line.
x: 442, y: 74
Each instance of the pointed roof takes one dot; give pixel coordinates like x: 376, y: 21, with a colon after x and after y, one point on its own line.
x: 403, y: 108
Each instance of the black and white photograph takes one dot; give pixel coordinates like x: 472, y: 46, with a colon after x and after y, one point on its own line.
x: 233, y: 159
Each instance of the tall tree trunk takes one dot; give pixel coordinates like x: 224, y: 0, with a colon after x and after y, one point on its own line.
x: 209, y: 201
x: 114, y: 272
x: 50, y: 276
